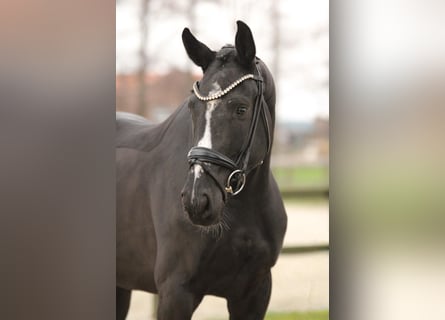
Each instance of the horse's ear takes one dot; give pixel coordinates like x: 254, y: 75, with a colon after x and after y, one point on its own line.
x: 245, y: 45
x: 200, y: 54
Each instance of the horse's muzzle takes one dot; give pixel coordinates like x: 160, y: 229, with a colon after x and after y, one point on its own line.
x: 202, y: 201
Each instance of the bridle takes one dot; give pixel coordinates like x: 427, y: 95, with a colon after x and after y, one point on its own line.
x: 239, y: 168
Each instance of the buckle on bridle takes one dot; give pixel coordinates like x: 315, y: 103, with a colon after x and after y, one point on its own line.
x: 236, y: 174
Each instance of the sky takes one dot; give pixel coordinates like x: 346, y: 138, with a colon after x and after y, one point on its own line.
x: 303, y: 76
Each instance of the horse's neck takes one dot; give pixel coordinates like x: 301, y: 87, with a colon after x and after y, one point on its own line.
x: 258, y: 179
x: 176, y: 125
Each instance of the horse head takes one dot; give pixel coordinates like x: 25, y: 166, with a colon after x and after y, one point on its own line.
x: 232, y: 115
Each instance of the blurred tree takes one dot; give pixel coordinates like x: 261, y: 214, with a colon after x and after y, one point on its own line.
x: 276, y: 41
x: 192, y: 26
x: 143, y: 109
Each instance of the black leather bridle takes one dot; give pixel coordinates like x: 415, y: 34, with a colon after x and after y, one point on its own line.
x: 239, y: 168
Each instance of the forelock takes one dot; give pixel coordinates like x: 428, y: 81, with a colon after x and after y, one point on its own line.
x: 226, y: 53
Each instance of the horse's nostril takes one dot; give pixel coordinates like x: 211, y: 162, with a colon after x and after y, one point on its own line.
x: 200, y: 203
x: 185, y: 194
x: 205, y: 201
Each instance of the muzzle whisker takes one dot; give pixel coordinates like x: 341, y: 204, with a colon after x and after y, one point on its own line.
x: 221, y: 230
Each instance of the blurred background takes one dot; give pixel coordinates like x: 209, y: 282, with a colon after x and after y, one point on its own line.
x: 154, y: 76
x: 387, y: 155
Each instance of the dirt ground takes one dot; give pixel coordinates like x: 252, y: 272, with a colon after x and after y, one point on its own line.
x: 300, y: 282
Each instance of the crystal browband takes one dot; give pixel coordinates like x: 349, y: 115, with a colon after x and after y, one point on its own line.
x: 220, y: 93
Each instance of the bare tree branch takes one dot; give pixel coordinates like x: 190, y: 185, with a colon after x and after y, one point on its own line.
x: 143, y: 60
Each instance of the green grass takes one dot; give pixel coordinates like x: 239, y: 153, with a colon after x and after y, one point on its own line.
x: 298, y: 177
x: 310, y: 315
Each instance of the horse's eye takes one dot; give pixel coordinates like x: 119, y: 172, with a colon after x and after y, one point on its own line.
x: 241, y: 110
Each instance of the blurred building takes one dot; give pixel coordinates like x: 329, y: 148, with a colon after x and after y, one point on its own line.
x: 160, y: 96
x: 302, y: 143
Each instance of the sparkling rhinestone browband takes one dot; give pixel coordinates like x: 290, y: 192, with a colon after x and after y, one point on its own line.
x: 220, y: 93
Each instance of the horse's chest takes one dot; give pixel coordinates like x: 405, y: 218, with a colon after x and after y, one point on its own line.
x: 243, y: 250
x: 249, y: 246
x: 233, y: 263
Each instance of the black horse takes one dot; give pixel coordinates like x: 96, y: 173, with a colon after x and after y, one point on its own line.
x: 198, y: 210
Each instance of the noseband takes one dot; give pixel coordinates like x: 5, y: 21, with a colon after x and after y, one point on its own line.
x: 239, y: 168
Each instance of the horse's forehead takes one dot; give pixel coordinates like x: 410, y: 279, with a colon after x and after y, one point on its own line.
x: 223, y: 78
x: 223, y: 70
x: 223, y: 75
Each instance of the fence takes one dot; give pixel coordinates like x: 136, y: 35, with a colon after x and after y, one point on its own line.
x: 305, y: 192
x: 305, y: 249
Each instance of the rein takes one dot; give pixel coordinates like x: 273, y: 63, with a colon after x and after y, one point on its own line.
x: 239, y: 168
